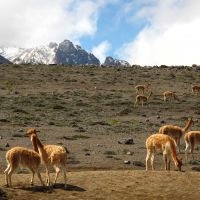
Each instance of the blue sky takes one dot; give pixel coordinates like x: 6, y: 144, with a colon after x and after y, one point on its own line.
x: 114, y: 26
x: 145, y: 32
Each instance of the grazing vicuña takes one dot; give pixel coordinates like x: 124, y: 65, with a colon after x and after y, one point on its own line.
x: 168, y: 147
x: 142, y: 99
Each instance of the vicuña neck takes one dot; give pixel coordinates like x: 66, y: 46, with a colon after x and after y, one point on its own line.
x: 39, y: 144
x: 34, y: 143
x: 187, y: 126
x: 174, y: 155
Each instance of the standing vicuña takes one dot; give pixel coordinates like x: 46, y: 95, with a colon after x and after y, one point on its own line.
x: 141, y: 88
x: 168, y: 95
x: 51, y: 155
x: 168, y: 147
x: 195, y: 89
x: 19, y: 156
x: 142, y: 99
x: 175, y: 131
x: 191, y: 138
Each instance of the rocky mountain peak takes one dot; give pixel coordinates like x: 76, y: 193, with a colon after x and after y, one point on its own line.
x: 110, y: 61
x: 68, y: 53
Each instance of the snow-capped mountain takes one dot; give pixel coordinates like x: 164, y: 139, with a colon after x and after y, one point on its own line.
x: 64, y: 53
x: 4, y: 60
x: 42, y: 54
x: 109, y: 61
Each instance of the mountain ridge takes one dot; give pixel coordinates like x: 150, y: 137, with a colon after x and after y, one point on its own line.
x: 63, y: 53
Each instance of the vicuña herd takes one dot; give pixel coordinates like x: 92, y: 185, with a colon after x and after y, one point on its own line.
x: 167, y: 95
x: 167, y: 140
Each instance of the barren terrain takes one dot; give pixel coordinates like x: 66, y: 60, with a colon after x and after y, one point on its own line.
x: 89, y: 110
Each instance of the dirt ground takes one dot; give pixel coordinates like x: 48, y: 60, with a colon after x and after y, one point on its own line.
x: 106, y: 185
x: 89, y: 110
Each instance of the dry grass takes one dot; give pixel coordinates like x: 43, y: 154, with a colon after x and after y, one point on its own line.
x: 93, y: 108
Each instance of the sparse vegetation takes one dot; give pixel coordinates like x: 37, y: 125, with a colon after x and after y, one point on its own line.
x: 92, y: 108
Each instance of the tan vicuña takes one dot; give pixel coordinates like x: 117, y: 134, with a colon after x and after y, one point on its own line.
x: 20, y: 156
x: 141, y: 88
x: 142, y: 99
x: 191, y: 138
x: 176, y: 132
x: 195, y: 89
x: 168, y: 147
x: 168, y: 95
x: 53, y: 155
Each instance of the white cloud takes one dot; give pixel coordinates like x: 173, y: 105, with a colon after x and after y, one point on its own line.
x: 35, y: 22
x: 101, y: 50
x: 172, y: 36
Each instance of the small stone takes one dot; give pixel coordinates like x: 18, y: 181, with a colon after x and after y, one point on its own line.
x: 1, y: 137
x: 87, y: 154
x: 126, y: 141
x: 127, y: 162
x: 194, y: 162
x: 129, y: 153
x: 196, y: 169
x: 158, y: 117
x: 138, y: 163
x: 162, y: 121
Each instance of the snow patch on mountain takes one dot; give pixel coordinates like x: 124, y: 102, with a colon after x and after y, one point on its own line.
x: 38, y: 55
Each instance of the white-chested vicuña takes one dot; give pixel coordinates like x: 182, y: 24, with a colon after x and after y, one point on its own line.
x: 168, y: 147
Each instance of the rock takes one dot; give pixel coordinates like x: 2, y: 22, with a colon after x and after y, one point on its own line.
x: 138, y: 163
x: 126, y: 141
x: 162, y: 122
x: 127, y: 162
x: 109, y: 61
x: 87, y: 154
x: 1, y: 137
x: 129, y: 153
x: 68, y: 53
x: 158, y: 117
x: 194, y: 162
x: 7, y: 145
x: 196, y: 169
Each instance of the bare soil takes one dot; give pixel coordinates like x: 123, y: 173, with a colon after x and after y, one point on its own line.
x: 88, y: 110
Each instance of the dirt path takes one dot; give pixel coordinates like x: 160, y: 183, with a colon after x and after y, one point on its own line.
x: 113, y: 185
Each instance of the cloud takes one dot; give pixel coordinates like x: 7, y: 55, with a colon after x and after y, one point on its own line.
x: 101, y: 50
x: 171, y: 34
x: 35, y: 22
